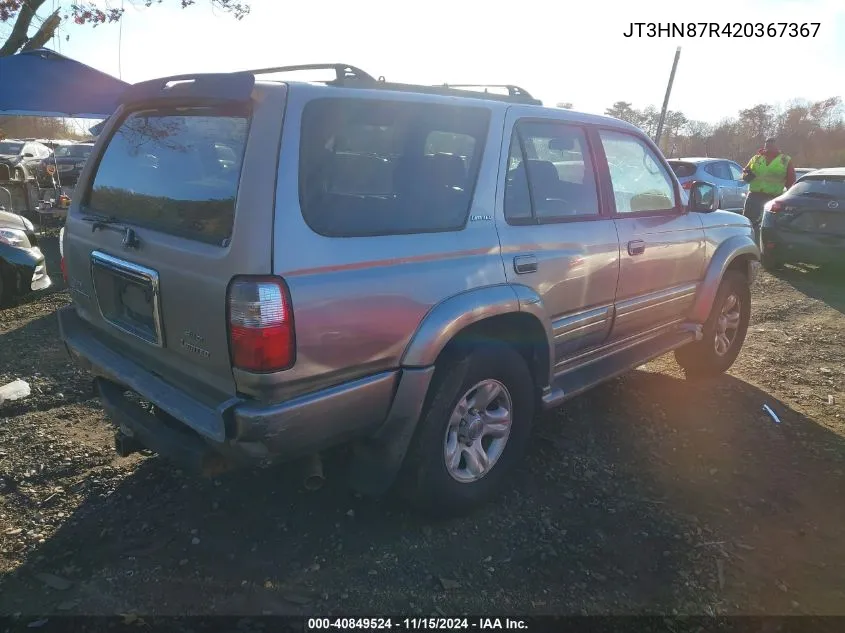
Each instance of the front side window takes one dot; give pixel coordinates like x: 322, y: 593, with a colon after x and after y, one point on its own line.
x: 550, y: 174
x: 161, y: 170
x: 640, y: 183
x: 736, y: 171
x: 375, y: 167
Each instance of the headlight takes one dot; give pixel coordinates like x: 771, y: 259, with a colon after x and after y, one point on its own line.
x: 14, y: 237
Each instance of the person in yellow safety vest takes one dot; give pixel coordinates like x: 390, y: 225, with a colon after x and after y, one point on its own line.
x: 768, y: 173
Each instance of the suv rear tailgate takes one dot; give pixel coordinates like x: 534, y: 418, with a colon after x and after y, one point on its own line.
x: 182, y: 219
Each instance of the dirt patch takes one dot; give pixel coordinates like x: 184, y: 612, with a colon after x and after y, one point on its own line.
x: 650, y: 494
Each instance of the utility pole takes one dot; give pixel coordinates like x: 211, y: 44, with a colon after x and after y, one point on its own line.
x: 666, y: 98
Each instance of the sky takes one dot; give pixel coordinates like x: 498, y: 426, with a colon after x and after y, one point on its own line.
x: 557, y: 50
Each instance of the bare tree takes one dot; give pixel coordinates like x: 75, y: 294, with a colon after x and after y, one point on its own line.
x: 25, y: 35
x: 813, y: 133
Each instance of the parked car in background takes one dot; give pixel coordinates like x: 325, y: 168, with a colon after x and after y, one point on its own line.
x: 803, y: 171
x: 22, y: 157
x: 725, y: 174
x: 412, y: 270
x: 22, y: 264
x: 54, y: 143
x: 807, y: 222
x: 66, y: 163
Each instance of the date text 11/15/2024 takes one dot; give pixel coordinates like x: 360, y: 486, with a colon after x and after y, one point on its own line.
x: 415, y: 624
x: 722, y: 29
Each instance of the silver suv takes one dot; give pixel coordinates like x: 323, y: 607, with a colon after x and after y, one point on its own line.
x: 263, y: 270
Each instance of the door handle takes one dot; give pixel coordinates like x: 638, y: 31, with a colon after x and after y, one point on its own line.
x: 525, y: 264
x: 636, y: 247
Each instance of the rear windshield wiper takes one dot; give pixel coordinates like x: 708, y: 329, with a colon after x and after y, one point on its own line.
x: 110, y: 222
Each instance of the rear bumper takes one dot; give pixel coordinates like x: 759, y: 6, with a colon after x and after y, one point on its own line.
x: 239, y: 430
x: 787, y: 246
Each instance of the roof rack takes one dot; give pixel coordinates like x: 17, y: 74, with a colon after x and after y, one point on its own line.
x: 513, y: 91
x: 353, y: 77
x: 343, y: 72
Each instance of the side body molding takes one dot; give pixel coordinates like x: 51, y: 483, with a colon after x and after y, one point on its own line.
x: 454, y: 314
x: 725, y: 254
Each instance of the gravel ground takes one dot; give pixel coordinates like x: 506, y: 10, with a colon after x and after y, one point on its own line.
x: 649, y: 494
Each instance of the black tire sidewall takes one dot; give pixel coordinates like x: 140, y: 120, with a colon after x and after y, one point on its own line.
x: 428, y: 484
x: 701, y: 358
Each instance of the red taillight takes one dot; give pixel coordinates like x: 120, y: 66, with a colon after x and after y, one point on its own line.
x: 64, y: 270
x: 261, y: 334
x: 776, y: 207
x: 687, y: 185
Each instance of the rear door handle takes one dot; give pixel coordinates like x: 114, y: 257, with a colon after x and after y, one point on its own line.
x: 525, y: 264
x: 636, y: 247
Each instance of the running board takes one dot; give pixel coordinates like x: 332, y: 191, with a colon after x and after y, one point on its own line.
x: 575, y: 381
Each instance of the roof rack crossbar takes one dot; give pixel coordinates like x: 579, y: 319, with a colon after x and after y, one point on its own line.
x: 343, y: 72
x: 513, y: 91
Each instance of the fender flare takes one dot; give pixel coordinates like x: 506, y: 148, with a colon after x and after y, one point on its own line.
x: 452, y: 315
x: 725, y: 254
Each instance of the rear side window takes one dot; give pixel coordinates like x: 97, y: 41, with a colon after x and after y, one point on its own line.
x: 550, y: 175
x: 719, y: 170
x: 174, y: 171
x: 682, y: 170
x: 371, y: 167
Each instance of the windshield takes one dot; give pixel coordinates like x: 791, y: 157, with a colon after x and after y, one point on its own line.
x: 11, y: 148
x: 819, y: 186
x: 72, y: 151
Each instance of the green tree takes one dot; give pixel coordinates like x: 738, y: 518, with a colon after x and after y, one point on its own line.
x: 28, y: 34
x: 624, y: 111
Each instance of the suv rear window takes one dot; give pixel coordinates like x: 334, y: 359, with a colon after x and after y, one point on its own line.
x: 682, y: 170
x: 829, y: 188
x: 371, y: 167
x: 165, y: 170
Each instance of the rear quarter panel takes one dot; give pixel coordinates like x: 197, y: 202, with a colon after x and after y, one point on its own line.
x: 358, y: 301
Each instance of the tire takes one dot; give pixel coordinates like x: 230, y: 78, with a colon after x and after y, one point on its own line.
x: 770, y: 262
x: 8, y: 286
x: 704, y: 358
x: 426, y: 481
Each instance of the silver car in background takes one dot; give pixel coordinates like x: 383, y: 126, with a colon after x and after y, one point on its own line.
x: 725, y: 174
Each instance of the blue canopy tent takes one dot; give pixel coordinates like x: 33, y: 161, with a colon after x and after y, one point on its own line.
x: 45, y: 83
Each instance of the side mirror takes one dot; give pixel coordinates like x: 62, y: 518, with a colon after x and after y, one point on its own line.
x: 702, y: 197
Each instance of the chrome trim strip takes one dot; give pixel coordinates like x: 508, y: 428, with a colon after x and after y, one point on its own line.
x: 138, y: 274
x: 654, y: 299
x: 575, y: 325
x: 600, y: 353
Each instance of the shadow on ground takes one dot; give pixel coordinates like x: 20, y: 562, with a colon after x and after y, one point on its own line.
x: 649, y: 494
x: 827, y: 284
